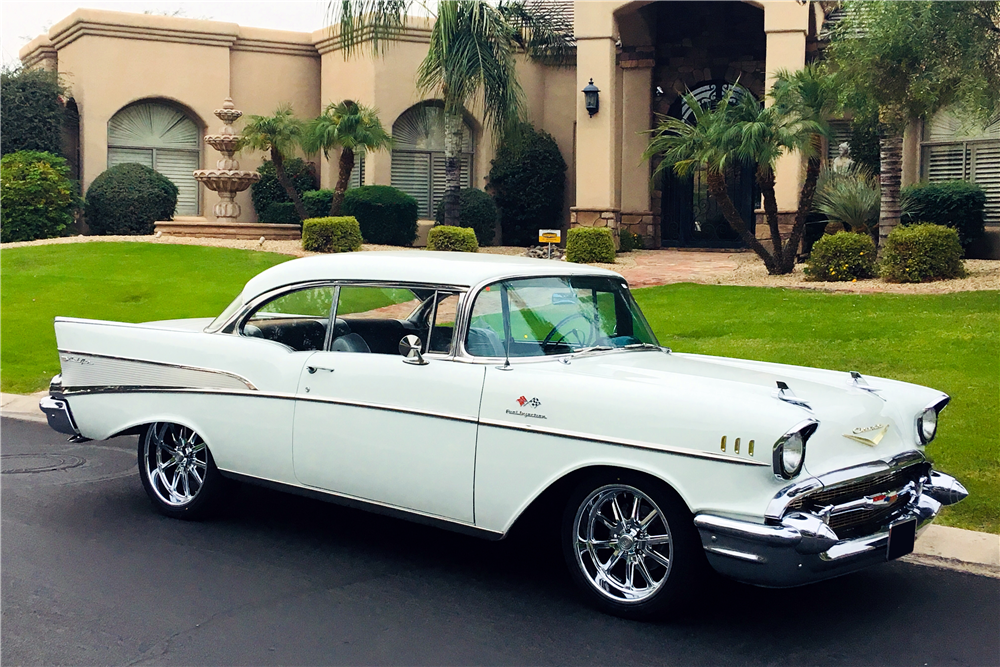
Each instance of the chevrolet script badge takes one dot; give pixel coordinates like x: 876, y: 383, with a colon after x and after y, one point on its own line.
x: 868, y: 435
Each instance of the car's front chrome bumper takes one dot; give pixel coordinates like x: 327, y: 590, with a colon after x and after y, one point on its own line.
x: 801, y: 547
x: 56, y: 409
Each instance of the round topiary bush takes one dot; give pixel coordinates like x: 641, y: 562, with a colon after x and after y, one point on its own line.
x: 269, y: 191
x: 590, y: 244
x: 36, y: 196
x: 340, y: 234
x: 528, y: 182
x: 387, y: 216
x: 477, y: 211
x: 921, y: 253
x: 842, y: 256
x: 450, y: 238
x: 128, y: 199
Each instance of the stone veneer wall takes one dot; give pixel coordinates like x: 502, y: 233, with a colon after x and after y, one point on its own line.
x: 698, y: 42
x: 592, y: 217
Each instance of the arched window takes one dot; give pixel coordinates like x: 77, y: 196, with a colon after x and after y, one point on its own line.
x: 956, y: 148
x: 418, y: 156
x: 163, y: 138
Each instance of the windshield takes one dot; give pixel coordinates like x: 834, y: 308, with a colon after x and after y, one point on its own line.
x: 533, y: 317
x: 230, y: 310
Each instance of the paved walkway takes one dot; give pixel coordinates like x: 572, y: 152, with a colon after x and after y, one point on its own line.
x: 938, y: 546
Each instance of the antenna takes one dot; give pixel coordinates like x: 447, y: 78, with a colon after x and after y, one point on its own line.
x: 505, y: 308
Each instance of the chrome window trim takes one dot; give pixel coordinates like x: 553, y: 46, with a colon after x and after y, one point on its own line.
x: 240, y: 378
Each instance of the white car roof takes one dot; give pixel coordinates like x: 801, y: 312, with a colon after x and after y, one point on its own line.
x: 442, y: 268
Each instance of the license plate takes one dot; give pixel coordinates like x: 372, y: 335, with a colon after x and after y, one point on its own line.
x: 902, y: 535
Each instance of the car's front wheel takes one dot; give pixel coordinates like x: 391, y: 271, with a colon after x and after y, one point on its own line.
x: 178, y: 472
x: 631, y: 546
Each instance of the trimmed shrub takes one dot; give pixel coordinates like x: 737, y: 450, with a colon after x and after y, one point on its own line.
x: 317, y: 202
x: 281, y: 213
x: 33, y: 117
x: 921, y: 253
x: 341, y: 234
x: 628, y: 241
x: 128, y: 200
x: 37, y: 198
x: 842, y: 256
x: 528, y: 182
x: 268, y: 190
x: 477, y: 211
x: 956, y: 204
x: 387, y: 216
x: 454, y: 239
x: 590, y: 244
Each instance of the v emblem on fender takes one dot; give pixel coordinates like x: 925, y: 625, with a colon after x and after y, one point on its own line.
x: 870, y: 436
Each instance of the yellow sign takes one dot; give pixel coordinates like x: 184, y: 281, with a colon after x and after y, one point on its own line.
x: 549, y: 235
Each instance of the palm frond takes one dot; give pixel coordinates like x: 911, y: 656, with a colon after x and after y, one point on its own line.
x: 281, y: 131
x: 371, y: 25
x: 346, y: 124
x: 539, y: 31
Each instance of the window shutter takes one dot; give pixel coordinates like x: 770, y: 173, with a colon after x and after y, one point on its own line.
x: 841, y: 132
x: 117, y: 156
x: 411, y: 174
x: 945, y: 163
x: 358, y: 173
x: 177, y: 166
x: 986, y: 172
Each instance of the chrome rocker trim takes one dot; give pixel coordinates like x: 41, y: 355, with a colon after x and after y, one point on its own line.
x: 802, y: 548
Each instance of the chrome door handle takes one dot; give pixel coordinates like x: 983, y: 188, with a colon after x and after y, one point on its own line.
x: 313, y: 369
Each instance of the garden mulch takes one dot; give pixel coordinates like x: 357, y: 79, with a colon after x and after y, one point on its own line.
x: 642, y: 268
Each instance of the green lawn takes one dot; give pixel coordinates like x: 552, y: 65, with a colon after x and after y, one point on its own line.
x: 949, y: 342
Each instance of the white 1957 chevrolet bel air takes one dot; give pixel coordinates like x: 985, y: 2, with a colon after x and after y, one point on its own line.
x: 460, y: 390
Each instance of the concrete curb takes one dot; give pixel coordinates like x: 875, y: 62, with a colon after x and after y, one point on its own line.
x: 938, y: 546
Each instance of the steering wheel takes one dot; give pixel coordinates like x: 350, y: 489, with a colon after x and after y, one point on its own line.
x: 581, y: 339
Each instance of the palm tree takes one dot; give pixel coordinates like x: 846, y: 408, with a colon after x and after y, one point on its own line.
x: 470, y: 60
x: 279, y: 135
x: 351, y: 127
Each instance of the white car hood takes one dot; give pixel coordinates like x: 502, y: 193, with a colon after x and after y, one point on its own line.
x: 833, y: 398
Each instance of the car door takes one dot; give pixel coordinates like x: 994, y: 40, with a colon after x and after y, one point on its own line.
x: 371, y: 424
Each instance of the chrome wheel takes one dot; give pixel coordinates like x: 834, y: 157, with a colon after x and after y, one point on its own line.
x: 624, y: 546
x: 176, y: 463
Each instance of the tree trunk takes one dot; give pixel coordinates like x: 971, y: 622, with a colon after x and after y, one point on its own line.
x: 346, y: 166
x: 717, y: 188
x: 279, y: 169
x: 806, y: 194
x: 765, y: 180
x: 452, y: 167
x: 892, y: 161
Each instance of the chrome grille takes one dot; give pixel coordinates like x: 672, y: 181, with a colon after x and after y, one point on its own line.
x: 861, y: 521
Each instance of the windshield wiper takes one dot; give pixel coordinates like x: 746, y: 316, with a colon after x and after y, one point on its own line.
x: 641, y: 346
x: 593, y: 348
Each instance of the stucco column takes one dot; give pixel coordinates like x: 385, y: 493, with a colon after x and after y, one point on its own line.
x: 636, y: 213
x: 786, y: 25
x: 598, y: 137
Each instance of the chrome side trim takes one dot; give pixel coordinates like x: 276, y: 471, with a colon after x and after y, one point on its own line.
x: 622, y: 442
x: 732, y: 553
x: 389, y: 408
x: 161, y: 364
x: 370, y: 506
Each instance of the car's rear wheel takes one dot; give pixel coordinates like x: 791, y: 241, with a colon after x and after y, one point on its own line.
x: 178, y: 471
x: 631, y: 546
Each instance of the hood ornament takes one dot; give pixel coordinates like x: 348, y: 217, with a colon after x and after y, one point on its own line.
x: 785, y: 394
x: 859, y: 382
x: 868, y: 435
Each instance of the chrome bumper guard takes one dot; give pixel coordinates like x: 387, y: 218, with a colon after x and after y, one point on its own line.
x: 801, y: 547
x: 56, y: 410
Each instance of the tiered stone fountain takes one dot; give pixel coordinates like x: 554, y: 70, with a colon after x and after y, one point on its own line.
x: 227, y: 179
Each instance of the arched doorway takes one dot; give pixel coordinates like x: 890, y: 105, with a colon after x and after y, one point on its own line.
x: 690, y: 217
x: 418, y: 156
x: 163, y: 138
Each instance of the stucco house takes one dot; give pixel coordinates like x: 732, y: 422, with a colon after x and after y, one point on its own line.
x: 145, y: 88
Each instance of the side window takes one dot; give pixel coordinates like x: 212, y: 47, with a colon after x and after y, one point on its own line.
x: 485, y: 337
x: 375, y: 319
x: 443, y: 333
x: 297, y: 319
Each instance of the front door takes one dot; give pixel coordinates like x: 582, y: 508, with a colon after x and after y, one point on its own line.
x: 369, y: 425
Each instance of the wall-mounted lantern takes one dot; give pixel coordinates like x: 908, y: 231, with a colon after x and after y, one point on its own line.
x: 591, y: 97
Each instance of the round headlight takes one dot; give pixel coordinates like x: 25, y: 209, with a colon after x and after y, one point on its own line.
x: 927, y: 425
x: 791, y: 454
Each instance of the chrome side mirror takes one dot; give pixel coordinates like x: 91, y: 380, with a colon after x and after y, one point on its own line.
x: 409, y: 347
